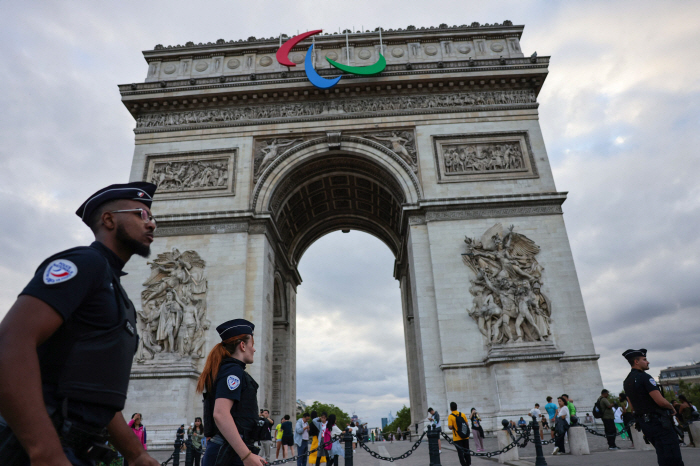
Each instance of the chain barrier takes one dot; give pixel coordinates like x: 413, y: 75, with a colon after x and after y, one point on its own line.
x: 489, y: 454
x: 600, y: 434
x: 391, y: 459
x: 294, y: 458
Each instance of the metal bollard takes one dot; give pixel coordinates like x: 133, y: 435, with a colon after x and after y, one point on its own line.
x: 176, y: 454
x: 539, y: 459
x: 433, y: 449
x: 189, y: 453
x: 347, y: 438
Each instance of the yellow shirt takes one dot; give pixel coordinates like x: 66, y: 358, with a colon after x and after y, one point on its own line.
x: 279, y: 431
x: 452, y: 424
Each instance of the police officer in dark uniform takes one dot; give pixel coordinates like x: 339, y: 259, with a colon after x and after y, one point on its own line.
x: 651, y: 410
x: 230, y: 398
x: 67, y: 344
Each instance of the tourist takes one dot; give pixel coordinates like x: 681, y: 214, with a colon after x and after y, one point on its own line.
x: 477, y: 430
x: 352, y: 428
x: 320, y: 423
x: 457, y: 421
x: 561, y: 426
x: 686, y: 411
x: 570, y: 404
x: 535, y: 415
x: 287, y: 436
x: 332, y: 430
x: 619, y: 423
x: 278, y: 441
x: 231, y: 395
x: 544, y: 423
x: 522, y: 423
x: 435, y: 420
x: 588, y: 419
x: 196, y: 433
x: 608, y: 419
x: 139, y: 431
x: 314, y: 436
x: 627, y: 416
x: 551, y: 409
x: 398, y: 433
x: 301, y: 438
x: 266, y: 436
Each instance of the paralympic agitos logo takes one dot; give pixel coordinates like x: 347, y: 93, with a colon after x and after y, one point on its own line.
x: 314, y: 77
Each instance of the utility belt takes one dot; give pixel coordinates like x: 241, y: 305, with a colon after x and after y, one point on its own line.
x: 87, y: 442
x: 662, y: 415
x: 227, y: 455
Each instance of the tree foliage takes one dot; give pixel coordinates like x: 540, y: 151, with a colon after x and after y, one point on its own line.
x: 403, y: 420
x: 342, y: 419
x: 690, y: 390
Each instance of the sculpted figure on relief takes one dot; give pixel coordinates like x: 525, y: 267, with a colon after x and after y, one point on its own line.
x: 402, y: 143
x: 267, y: 151
x: 508, y: 304
x: 172, y: 318
x: 478, y: 158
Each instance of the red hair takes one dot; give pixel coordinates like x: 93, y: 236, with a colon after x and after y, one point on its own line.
x: 217, y: 354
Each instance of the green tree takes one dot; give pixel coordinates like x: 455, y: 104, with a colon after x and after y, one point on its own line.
x: 690, y: 390
x: 342, y: 419
x: 403, y: 420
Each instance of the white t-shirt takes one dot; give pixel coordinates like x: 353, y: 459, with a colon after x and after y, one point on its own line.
x: 562, y: 411
x: 618, y: 415
x: 353, y: 431
x: 305, y: 435
x: 535, y: 412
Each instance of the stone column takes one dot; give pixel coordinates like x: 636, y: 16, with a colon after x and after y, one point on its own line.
x: 578, y: 442
x: 504, y: 439
x: 416, y: 390
x: 638, y: 439
x: 695, y: 432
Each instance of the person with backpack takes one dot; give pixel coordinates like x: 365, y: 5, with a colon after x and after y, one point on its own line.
x: 608, y: 417
x: 230, y: 398
x: 459, y: 425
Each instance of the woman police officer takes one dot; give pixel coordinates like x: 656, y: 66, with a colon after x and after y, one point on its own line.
x: 230, y: 398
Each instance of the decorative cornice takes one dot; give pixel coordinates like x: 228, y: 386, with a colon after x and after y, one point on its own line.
x: 505, y: 359
x: 481, y: 212
x: 207, y: 228
x: 581, y: 357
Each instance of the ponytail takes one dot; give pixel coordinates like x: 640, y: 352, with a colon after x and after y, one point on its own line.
x: 218, y: 353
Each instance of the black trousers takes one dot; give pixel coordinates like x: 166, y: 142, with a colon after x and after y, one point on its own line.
x: 465, y: 459
x: 610, y: 431
x: 665, y: 441
x: 559, y: 442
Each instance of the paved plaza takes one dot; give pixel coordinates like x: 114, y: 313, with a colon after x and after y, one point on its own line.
x: 600, y: 456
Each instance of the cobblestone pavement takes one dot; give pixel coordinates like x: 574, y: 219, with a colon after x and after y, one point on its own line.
x: 600, y: 455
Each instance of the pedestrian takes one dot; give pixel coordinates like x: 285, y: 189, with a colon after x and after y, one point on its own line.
x: 522, y: 423
x: 266, y: 437
x: 278, y: 440
x: 608, y: 419
x: 477, y: 430
x: 619, y: 423
x: 459, y: 425
x: 398, y: 433
x: 588, y: 419
x: 535, y: 415
x: 551, y: 409
x: 335, y: 450
x: 352, y: 428
x: 70, y: 339
x: 686, y: 410
x: 627, y: 416
x: 231, y: 397
x: 561, y: 426
x: 139, y: 430
x: 569, y: 404
x: 301, y: 438
x: 196, y: 436
x: 651, y: 410
x: 434, y: 418
x: 314, y: 433
x: 287, y: 436
x: 323, y: 451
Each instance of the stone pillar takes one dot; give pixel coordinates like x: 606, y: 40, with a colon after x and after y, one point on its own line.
x: 504, y: 439
x: 638, y: 439
x: 578, y: 442
x: 416, y: 389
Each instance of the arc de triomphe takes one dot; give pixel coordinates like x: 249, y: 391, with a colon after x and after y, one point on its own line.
x: 440, y: 156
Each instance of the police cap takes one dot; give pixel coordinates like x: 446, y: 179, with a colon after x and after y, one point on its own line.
x: 136, y: 191
x: 234, y: 328
x: 634, y: 353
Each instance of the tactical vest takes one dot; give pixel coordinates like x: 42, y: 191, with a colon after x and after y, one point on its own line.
x: 96, y: 360
x: 244, y: 412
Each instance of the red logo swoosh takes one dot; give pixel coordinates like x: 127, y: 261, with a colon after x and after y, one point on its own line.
x: 60, y: 275
x: 283, y: 52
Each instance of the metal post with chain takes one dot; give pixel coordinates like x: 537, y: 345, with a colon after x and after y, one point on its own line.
x: 433, y: 447
x: 347, y: 438
x: 539, y: 459
x: 189, y: 452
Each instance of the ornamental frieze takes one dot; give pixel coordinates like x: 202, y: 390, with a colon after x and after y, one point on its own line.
x: 255, y: 113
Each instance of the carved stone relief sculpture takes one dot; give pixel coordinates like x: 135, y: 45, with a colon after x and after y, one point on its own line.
x: 466, y: 158
x: 403, y: 143
x: 267, y: 150
x: 389, y: 104
x: 190, y: 175
x: 508, y: 304
x: 173, y: 318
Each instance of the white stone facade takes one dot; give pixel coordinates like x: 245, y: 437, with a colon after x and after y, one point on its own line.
x: 336, y: 169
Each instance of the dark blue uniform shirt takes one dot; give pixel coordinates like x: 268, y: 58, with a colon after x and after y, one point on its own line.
x: 78, y: 285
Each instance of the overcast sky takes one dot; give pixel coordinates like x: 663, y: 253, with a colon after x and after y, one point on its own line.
x: 619, y: 112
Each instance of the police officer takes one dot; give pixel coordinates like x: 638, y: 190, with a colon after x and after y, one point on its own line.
x: 230, y: 398
x: 67, y: 344
x: 652, y: 411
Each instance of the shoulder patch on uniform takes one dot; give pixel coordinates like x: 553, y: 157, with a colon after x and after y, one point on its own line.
x: 233, y: 382
x: 59, y: 271
x: 652, y: 381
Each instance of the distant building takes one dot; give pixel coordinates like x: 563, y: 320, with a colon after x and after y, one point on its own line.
x: 671, y: 376
x: 385, y: 422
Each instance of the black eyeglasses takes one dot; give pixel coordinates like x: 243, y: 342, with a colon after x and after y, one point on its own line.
x: 143, y: 213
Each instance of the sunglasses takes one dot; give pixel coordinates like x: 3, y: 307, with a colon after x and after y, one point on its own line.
x: 143, y: 213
